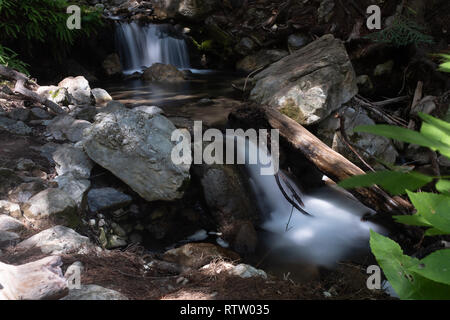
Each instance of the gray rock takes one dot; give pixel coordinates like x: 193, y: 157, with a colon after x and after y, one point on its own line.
x: 86, y: 113
x: 75, y: 188
x: 14, y: 127
x: 151, y: 110
x: 25, y: 164
x: 8, y: 223
x: 376, y: 146
x: 70, y: 159
x: 94, y: 292
x: 78, y: 88
x: 260, y: 59
x: 309, y: 84
x: 54, y: 203
x: 107, y: 198
x: 19, y: 114
x: 8, y: 238
x: 65, y: 127
x: 101, y: 96
x: 57, y: 240
x: 297, y: 41
x: 25, y: 191
x: 137, y: 147
x: 10, y: 209
x: 245, y: 46
x: 246, y: 271
x: 58, y: 95
x: 39, y: 113
x: 159, y: 72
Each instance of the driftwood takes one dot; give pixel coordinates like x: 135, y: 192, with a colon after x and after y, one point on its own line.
x: 329, y: 162
x: 38, y: 280
x: 22, y: 81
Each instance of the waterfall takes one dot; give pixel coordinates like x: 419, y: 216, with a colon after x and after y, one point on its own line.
x: 140, y: 46
x: 334, y: 232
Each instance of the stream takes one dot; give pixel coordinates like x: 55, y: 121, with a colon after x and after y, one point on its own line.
x: 289, y: 240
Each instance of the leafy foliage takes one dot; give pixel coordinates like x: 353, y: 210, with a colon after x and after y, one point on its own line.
x: 411, y: 278
x: 9, y: 58
x: 403, y: 31
x: 445, y: 65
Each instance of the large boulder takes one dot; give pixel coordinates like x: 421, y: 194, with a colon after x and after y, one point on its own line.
x: 136, y: 147
x: 309, y: 84
x: 160, y: 72
x: 57, y: 240
x: 78, y: 88
x: 260, y: 59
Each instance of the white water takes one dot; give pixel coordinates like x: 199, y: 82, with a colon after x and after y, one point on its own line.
x: 140, y: 46
x: 335, y: 231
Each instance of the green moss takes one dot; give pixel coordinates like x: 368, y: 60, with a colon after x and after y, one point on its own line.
x: 293, y: 112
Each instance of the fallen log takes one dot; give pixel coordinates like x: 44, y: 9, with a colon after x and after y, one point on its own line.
x: 38, y: 280
x: 22, y: 81
x: 328, y: 161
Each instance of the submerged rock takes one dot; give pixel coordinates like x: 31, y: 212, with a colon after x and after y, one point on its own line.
x: 107, y: 198
x: 310, y: 83
x: 136, y: 147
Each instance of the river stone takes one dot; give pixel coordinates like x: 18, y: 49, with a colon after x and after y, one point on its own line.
x: 14, y: 127
x: 376, y: 146
x: 58, y: 95
x: 101, y: 96
x: 260, y: 59
x: 39, y: 113
x: 54, y: 203
x: 66, y: 127
x: 8, y: 238
x: 71, y: 159
x: 75, y: 188
x: 309, y: 84
x: 94, y: 292
x: 25, y: 191
x: 10, y: 209
x: 78, y: 88
x: 57, y: 240
x: 136, y: 147
x: 8, y: 223
x: 151, y: 110
x: 107, y: 198
x: 159, y: 72
x: 19, y: 114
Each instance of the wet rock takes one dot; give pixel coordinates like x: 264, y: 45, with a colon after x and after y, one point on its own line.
x: 8, y: 223
x: 19, y: 114
x: 75, y: 188
x: 10, y: 209
x: 107, y: 198
x: 94, y: 292
x: 309, y: 84
x: 196, y: 255
x: 260, y: 59
x: 37, y: 280
x: 58, y: 95
x: 78, y: 88
x: 229, y: 203
x: 52, y: 203
x: 111, y: 65
x: 14, y: 127
x: 101, y: 96
x: 151, y: 110
x: 57, y: 240
x: 376, y: 146
x: 73, y: 160
x: 137, y: 147
x: 66, y: 127
x: 159, y: 72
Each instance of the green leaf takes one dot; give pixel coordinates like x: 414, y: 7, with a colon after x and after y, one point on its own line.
x: 443, y: 186
x: 435, y: 266
x: 432, y: 232
x: 434, y: 208
x: 396, y: 266
x: 396, y: 183
x: 413, y: 220
x: 443, y: 125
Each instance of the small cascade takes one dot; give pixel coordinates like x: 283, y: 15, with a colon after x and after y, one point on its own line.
x: 140, y: 46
